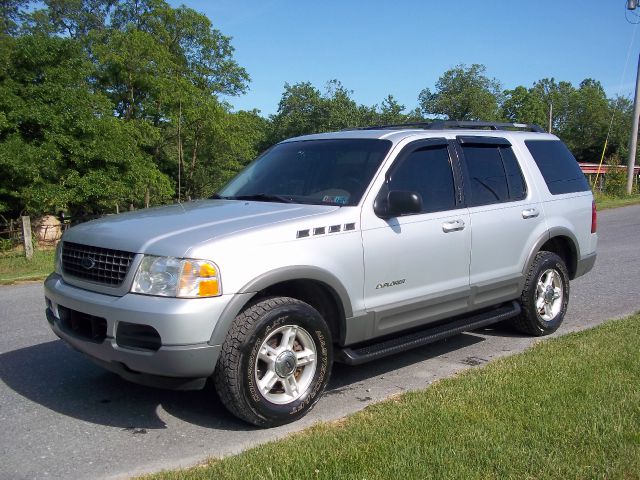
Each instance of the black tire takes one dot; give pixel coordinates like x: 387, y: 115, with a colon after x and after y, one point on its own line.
x: 542, y: 320
x: 240, y: 365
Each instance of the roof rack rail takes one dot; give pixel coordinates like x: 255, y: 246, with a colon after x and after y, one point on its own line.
x: 529, y: 127
x: 425, y: 125
x: 446, y: 124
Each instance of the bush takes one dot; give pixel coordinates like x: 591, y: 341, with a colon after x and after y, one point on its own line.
x: 5, y: 244
x: 615, y: 182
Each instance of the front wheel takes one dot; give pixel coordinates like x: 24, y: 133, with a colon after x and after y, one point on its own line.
x: 545, y: 296
x: 275, y: 362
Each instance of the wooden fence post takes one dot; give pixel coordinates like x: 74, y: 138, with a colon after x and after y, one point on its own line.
x: 26, y: 235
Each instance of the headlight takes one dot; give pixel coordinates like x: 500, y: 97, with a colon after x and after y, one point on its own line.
x: 177, y: 277
x: 58, y: 259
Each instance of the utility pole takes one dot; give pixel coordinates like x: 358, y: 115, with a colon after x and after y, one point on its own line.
x: 634, y: 133
x: 632, y: 5
x: 550, y: 115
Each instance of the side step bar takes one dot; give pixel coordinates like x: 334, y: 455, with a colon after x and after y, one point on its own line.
x: 373, y: 351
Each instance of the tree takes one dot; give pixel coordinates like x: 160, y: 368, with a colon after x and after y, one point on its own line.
x: 549, y: 93
x: 522, y: 106
x: 463, y: 93
x: 299, y: 112
x: 104, y: 100
x: 10, y: 12
x: 60, y: 146
x: 391, y: 111
x: 621, y: 110
x: 214, y: 142
x: 158, y: 72
x: 153, y: 57
x: 339, y: 110
x: 586, y: 128
x: 581, y: 116
x: 71, y: 18
x: 238, y: 139
x: 303, y: 109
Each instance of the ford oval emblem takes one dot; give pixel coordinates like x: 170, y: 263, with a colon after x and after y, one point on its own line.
x: 88, y: 263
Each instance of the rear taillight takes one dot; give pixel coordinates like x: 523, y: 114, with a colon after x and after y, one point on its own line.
x: 594, y: 217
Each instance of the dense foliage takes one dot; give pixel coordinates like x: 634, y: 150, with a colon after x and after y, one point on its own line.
x: 112, y: 104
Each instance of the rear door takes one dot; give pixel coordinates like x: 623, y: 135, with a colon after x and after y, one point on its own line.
x: 505, y: 215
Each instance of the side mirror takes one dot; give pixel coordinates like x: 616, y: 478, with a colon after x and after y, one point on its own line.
x: 399, y: 202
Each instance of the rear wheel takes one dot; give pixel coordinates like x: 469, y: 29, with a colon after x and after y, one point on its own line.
x: 545, y: 296
x: 275, y: 362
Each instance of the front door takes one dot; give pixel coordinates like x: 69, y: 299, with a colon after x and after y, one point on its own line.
x: 417, y: 266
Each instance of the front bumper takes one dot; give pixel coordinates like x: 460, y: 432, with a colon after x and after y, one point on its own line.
x: 184, y: 356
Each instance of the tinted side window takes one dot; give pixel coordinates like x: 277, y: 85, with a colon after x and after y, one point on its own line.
x: 428, y: 172
x: 515, y: 180
x: 558, y: 166
x: 488, y: 179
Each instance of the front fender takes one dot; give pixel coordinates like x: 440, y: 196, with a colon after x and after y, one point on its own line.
x: 279, y: 275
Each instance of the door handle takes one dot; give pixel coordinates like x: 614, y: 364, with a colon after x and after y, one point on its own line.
x: 453, y: 226
x: 530, y: 213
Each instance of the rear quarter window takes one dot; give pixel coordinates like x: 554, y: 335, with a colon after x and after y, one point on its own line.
x: 558, y: 166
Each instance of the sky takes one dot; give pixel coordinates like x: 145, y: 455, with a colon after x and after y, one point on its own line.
x: 376, y: 48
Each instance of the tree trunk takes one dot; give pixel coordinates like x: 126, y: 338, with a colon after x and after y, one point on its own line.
x: 194, y: 157
x: 129, y: 113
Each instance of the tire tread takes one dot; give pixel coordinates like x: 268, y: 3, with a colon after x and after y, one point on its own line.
x: 227, y: 379
x: 527, y: 321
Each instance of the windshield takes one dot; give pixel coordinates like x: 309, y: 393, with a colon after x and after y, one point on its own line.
x: 321, y: 172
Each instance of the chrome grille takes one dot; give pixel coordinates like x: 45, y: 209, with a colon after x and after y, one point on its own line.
x: 96, y: 264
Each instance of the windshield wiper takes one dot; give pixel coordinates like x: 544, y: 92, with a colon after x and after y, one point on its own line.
x: 262, y: 197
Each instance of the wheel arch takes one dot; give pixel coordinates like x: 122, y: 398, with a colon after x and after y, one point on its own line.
x: 563, y: 243
x: 312, y: 285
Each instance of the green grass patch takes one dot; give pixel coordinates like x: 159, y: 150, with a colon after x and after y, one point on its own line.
x: 604, y: 202
x: 567, y: 408
x: 14, y: 267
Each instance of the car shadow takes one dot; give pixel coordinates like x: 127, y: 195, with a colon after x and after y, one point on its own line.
x: 344, y: 376
x: 63, y: 380
x: 502, y: 329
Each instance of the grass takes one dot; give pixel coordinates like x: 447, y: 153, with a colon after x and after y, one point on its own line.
x: 605, y: 202
x: 16, y: 268
x: 567, y: 408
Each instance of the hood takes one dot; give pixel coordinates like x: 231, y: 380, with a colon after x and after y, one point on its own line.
x: 174, y: 229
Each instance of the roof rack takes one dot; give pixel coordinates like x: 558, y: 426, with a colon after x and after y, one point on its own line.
x: 447, y: 124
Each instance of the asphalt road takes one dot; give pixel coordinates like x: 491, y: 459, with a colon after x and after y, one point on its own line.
x: 63, y: 417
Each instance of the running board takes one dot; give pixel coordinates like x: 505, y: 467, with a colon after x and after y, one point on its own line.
x: 356, y: 356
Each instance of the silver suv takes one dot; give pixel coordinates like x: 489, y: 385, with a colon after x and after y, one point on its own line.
x: 346, y: 246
